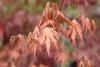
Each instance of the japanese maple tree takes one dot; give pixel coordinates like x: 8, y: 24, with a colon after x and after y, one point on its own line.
x: 42, y: 46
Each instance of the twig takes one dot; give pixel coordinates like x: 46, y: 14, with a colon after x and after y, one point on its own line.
x: 61, y: 4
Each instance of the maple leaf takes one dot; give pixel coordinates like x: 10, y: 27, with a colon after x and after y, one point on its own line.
x: 72, y: 32
x: 46, y: 14
x: 18, y: 42
x: 87, y: 25
x: 93, y: 27
x: 85, y: 62
x: 78, y: 28
x: 72, y: 35
x: 21, y: 40
x: 47, y: 37
x: 13, y: 40
x: 72, y: 23
x: 33, y: 45
x: 61, y: 57
x: 36, y: 32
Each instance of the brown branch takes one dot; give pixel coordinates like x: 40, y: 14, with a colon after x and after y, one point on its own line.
x: 61, y: 4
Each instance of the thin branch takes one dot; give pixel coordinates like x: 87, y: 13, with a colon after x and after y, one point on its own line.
x: 61, y: 4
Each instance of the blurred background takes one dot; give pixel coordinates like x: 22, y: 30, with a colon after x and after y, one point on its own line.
x: 21, y: 16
